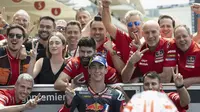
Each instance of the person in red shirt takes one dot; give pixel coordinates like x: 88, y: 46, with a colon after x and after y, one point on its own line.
x: 11, y: 66
x: 186, y: 53
x: 98, y: 32
x: 11, y: 100
x: 181, y: 98
x: 122, y: 40
x: 77, y: 66
x: 149, y: 56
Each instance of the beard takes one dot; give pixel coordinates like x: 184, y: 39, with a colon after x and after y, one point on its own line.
x: 85, y: 60
x: 44, y: 37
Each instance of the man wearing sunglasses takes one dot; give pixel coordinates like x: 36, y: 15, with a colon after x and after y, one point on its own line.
x: 123, y: 41
x: 150, y: 56
x: 11, y: 66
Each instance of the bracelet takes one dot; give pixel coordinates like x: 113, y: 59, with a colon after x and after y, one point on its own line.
x: 181, y: 86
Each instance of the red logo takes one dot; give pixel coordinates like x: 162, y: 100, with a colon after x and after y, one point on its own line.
x: 95, y: 107
x: 56, y: 11
x: 39, y: 5
x: 16, y: 1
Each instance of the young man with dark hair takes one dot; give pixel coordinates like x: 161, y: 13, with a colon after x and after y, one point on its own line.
x: 46, y: 27
x: 99, y: 97
x: 72, y: 34
x: 11, y: 66
x: 167, y: 24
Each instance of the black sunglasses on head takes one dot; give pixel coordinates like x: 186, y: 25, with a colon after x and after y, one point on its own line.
x: 12, y: 35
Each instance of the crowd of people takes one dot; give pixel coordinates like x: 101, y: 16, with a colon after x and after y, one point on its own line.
x: 92, y: 51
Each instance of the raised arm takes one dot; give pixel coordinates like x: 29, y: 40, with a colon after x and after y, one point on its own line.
x: 196, y: 8
x: 182, y: 91
x: 106, y: 18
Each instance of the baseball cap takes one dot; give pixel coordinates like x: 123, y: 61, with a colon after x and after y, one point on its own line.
x: 157, y: 102
x: 99, y: 59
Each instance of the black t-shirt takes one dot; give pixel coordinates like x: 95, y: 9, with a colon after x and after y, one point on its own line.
x: 46, y: 76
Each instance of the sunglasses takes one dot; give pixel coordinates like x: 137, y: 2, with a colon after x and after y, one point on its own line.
x: 136, y: 23
x: 60, y: 28
x: 12, y: 35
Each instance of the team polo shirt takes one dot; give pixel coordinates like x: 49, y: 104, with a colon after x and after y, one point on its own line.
x: 7, y: 97
x: 123, y: 46
x: 153, y: 60
x: 188, y: 62
x: 176, y: 100
x: 14, y: 68
x: 103, y: 51
x: 75, y: 68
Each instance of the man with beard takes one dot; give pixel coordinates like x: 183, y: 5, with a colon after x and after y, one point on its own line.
x: 98, y: 32
x: 46, y: 26
x: 181, y: 98
x: 72, y: 34
x: 77, y: 66
x: 11, y: 66
x: 11, y: 99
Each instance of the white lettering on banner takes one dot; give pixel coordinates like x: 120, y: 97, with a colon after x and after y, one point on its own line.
x: 49, y: 97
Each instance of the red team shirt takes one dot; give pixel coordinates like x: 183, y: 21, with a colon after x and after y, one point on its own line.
x: 7, y: 97
x: 106, y: 54
x: 188, y: 62
x: 14, y: 66
x: 74, y: 68
x: 123, y: 45
x: 176, y: 100
x: 153, y: 60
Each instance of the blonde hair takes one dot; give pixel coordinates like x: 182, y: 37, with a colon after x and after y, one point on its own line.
x: 25, y: 76
x: 133, y: 13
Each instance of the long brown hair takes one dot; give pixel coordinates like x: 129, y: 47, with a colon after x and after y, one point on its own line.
x: 64, y: 42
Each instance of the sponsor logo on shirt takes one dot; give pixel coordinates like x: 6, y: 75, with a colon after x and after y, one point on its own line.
x: 144, y: 64
x: 171, y: 51
x: 94, y: 107
x: 190, y: 62
x: 159, y: 56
